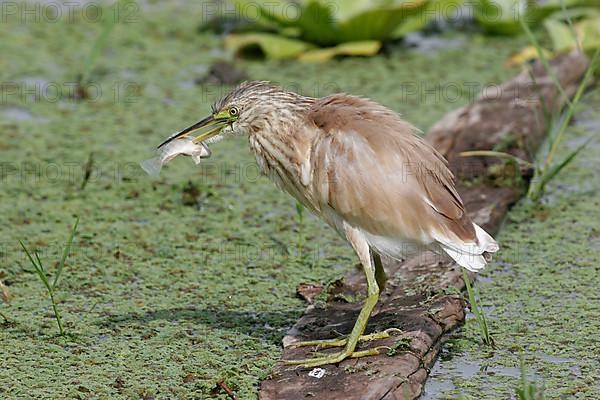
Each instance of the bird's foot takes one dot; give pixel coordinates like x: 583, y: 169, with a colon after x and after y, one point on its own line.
x: 344, y: 340
x: 348, y: 352
x: 332, y: 358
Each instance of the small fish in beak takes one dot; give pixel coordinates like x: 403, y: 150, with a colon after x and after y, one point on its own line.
x: 182, y: 143
x: 175, y: 147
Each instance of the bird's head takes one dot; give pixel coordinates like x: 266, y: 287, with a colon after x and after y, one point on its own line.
x: 240, y: 110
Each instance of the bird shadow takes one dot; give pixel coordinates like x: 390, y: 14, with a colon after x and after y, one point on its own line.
x: 270, y: 326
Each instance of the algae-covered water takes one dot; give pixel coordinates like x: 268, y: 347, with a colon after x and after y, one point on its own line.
x: 541, y: 294
x: 178, y: 282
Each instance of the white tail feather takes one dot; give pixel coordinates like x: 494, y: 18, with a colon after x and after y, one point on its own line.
x: 470, y: 255
x: 486, y: 242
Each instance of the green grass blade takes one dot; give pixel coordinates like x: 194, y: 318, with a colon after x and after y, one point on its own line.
x: 5, y: 318
x: 545, y: 109
x: 57, y: 316
x: 556, y: 168
x: 545, y: 173
x: 563, y: 7
x: 42, y: 271
x: 483, y: 327
x: 553, y: 128
x: 65, y: 254
x: 571, y: 110
x: 547, y: 65
x: 39, y: 262
x: 522, y: 389
x: 492, y: 153
x: 99, y: 44
x: 28, y: 255
x: 39, y: 269
x: 527, y: 390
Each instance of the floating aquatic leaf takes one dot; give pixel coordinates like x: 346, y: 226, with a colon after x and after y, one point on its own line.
x: 505, y: 16
x: 289, y: 29
x: 383, y: 23
x: 363, y: 48
x: 525, y: 55
x: 560, y: 34
x: 273, y: 46
x: 588, y: 32
x: 419, y: 17
x: 500, y: 16
x: 565, y: 34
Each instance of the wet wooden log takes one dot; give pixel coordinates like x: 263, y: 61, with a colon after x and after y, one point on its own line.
x: 422, y: 295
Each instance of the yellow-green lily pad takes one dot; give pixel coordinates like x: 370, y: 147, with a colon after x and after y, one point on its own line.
x: 272, y: 46
x: 359, y: 48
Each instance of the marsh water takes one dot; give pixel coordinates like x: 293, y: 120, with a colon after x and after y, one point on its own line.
x: 177, y: 282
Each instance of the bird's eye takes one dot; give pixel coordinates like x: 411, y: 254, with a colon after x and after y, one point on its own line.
x: 233, y: 111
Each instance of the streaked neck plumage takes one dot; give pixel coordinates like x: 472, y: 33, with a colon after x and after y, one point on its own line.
x: 278, y: 137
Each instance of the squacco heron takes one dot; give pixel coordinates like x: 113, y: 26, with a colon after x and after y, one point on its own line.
x: 363, y: 170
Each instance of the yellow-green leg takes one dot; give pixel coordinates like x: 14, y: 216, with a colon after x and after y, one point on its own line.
x: 381, y: 279
x: 361, y: 248
x: 379, y: 272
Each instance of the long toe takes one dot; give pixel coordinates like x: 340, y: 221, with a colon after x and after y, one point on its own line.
x: 321, y: 344
x: 332, y: 358
x: 321, y: 360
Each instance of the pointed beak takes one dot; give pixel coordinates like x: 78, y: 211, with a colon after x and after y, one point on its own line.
x: 211, y: 127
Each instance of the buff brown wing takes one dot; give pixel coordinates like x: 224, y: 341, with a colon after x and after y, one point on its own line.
x: 380, y: 177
